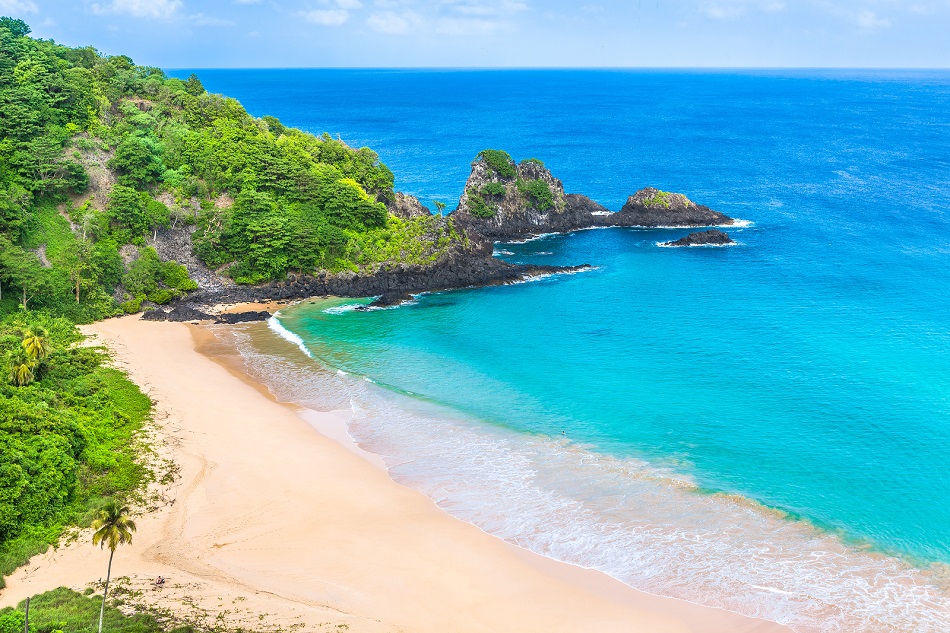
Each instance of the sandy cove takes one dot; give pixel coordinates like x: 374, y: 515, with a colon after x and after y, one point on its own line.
x: 282, y: 526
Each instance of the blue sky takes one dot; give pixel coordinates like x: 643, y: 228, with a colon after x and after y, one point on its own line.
x: 484, y: 33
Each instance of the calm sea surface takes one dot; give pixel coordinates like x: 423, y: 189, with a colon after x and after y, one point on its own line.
x: 763, y: 427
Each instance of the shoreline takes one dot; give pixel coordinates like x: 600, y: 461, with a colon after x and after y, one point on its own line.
x: 252, y: 519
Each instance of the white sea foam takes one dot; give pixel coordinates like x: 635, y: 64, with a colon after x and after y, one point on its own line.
x: 669, y: 245
x: 641, y: 523
x: 527, y: 279
x: 501, y: 251
x: 287, y: 335
x: 341, y: 309
x: 533, y: 238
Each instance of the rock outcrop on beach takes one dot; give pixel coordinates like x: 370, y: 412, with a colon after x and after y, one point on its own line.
x: 183, y: 312
x: 711, y: 237
x: 458, y: 271
x: 504, y: 200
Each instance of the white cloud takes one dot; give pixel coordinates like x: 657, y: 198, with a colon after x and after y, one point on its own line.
x: 718, y: 12
x: 870, y: 21
x: 730, y: 10
x: 445, y: 17
x: 331, y: 17
x: 463, y: 26
x: 200, y: 19
x: 160, y: 9
x: 14, y: 7
x: 326, y: 17
x: 393, y: 23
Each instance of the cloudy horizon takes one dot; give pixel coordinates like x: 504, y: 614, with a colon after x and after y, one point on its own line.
x: 501, y: 33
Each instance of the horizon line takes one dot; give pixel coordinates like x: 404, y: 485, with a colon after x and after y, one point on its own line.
x: 935, y: 69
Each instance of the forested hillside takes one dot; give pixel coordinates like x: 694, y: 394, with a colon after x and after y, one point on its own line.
x: 100, y: 156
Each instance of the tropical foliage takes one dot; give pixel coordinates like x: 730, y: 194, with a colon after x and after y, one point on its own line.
x: 98, y: 156
x: 67, y: 434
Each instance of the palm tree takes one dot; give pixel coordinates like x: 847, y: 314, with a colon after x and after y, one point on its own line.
x: 36, y: 343
x: 113, y: 527
x: 21, y: 368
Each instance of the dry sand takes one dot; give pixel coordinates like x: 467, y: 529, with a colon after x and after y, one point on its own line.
x: 282, y: 526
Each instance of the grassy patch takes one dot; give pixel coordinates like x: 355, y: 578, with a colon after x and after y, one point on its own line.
x: 70, y: 612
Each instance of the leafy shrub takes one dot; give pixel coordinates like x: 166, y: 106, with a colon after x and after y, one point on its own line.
x: 533, y: 161
x: 163, y: 295
x: 13, y: 622
x: 493, y: 189
x: 659, y: 199
x: 500, y: 162
x: 478, y: 207
x: 175, y: 275
x: 538, y: 193
x: 133, y: 305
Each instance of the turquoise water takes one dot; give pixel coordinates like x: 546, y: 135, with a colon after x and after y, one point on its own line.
x: 766, y: 426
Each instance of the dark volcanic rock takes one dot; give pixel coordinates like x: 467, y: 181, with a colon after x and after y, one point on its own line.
x: 242, y: 317
x: 652, y: 208
x: 495, y: 207
x: 711, y: 237
x: 407, y: 207
x: 182, y: 313
x: 457, y: 271
x: 390, y: 299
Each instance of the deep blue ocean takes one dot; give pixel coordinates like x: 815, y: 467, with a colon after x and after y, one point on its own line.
x: 764, y: 427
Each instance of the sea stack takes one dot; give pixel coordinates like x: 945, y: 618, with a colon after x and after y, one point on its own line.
x: 711, y: 237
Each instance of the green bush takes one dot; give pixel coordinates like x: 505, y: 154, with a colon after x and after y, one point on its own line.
x: 163, y: 295
x: 538, y: 193
x: 133, y: 305
x: 478, y: 207
x: 71, y: 612
x: 500, y: 162
x: 533, y: 161
x: 13, y: 621
x: 493, y: 189
x: 175, y: 275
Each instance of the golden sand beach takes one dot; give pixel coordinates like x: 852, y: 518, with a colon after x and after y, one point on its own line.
x: 281, y: 525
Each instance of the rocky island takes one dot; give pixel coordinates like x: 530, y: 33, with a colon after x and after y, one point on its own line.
x: 711, y: 237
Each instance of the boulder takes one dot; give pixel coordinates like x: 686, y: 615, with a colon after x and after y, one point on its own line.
x: 711, y: 237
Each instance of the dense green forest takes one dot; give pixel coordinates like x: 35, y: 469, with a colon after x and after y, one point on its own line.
x: 98, y: 158
x: 97, y: 155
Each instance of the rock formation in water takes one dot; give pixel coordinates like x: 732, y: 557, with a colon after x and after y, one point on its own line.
x: 504, y: 200
x: 711, y: 237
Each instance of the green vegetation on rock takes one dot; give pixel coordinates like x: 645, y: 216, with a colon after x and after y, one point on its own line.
x: 500, y: 161
x: 493, y: 189
x: 478, y: 207
x: 537, y: 192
